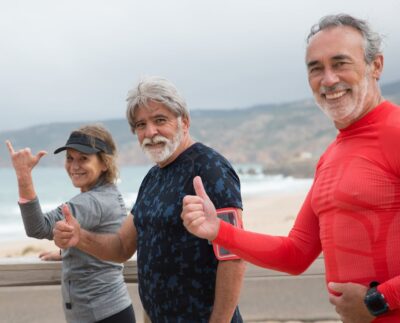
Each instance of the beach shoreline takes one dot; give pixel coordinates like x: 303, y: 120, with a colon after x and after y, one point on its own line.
x: 264, y: 213
x: 26, y: 247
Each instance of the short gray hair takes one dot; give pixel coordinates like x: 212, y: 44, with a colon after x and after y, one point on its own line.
x: 372, y: 39
x: 158, y: 89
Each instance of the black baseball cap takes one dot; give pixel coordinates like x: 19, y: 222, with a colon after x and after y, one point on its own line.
x: 85, y: 144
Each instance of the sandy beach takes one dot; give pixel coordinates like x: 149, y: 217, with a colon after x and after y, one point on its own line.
x: 273, y: 214
x: 27, y: 247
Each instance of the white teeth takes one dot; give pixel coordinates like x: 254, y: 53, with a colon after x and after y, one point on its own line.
x: 332, y: 96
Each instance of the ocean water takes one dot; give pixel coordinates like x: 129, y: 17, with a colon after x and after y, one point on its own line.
x: 53, y: 187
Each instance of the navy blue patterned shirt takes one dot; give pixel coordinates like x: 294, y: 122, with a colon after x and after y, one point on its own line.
x: 177, y: 271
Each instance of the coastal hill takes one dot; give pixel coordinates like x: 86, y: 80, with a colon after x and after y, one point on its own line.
x: 285, y: 138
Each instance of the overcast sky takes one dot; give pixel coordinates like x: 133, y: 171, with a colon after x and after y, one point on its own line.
x: 75, y: 60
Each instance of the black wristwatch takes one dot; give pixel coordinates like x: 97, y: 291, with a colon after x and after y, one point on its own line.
x: 375, y: 301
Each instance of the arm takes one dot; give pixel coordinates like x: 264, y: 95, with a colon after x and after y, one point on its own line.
x: 35, y: 223
x: 349, y: 303
x: 391, y: 290
x: 227, y: 288
x: 117, y: 247
x: 292, y: 254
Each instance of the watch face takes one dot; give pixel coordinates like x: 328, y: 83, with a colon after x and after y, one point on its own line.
x: 376, y: 302
x: 376, y: 305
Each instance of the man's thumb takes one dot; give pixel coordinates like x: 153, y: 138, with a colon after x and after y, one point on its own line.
x: 337, y: 288
x: 199, y: 188
x: 67, y: 213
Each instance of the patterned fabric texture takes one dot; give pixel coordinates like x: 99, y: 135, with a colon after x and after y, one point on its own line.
x: 177, y: 271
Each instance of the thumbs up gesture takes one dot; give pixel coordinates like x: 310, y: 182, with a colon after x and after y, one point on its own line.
x: 198, y: 213
x: 66, y: 233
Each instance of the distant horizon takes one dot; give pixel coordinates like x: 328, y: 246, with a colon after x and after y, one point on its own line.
x: 383, y: 86
x: 122, y: 117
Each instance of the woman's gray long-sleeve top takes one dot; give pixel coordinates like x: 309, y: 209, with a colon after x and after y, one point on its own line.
x: 92, y: 289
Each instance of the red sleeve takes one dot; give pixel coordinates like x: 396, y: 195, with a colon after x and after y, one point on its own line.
x: 391, y: 291
x: 389, y: 139
x: 292, y: 254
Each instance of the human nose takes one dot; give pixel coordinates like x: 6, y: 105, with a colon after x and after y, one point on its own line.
x: 151, y: 130
x: 74, y: 164
x: 329, y: 78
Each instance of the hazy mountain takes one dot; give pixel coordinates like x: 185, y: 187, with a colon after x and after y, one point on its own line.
x: 287, y: 137
x: 391, y: 89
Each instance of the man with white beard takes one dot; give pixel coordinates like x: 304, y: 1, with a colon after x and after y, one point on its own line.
x: 180, y: 277
x: 352, y: 211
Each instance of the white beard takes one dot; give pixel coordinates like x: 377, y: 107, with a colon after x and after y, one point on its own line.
x: 159, y: 155
x: 352, y: 109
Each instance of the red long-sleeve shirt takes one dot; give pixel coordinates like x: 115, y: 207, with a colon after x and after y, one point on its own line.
x: 351, y: 213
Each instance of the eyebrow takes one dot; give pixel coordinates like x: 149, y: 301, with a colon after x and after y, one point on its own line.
x: 338, y: 57
x: 341, y: 57
x: 312, y: 63
x: 160, y: 115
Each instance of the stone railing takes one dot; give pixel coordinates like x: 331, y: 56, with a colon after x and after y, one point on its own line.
x: 30, y: 292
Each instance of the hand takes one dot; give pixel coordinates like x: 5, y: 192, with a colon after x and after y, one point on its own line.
x: 50, y: 255
x: 198, y: 213
x: 350, y: 304
x: 66, y: 233
x: 23, y: 160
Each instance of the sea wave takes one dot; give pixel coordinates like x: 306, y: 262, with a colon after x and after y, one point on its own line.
x: 274, y: 185
x: 53, y: 195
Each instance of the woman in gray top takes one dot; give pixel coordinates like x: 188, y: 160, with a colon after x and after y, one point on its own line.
x: 92, y: 290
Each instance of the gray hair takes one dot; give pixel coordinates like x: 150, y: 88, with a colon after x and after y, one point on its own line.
x: 372, y: 40
x: 154, y: 88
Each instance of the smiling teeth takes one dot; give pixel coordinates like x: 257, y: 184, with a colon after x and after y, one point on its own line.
x: 336, y: 95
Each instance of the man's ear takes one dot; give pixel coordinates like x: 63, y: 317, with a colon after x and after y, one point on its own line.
x: 185, y: 123
x: 377, y: 66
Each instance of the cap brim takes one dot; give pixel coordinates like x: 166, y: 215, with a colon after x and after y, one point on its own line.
x: 81, y: 148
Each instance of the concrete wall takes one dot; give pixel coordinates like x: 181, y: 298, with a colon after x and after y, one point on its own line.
x: 30, y: 292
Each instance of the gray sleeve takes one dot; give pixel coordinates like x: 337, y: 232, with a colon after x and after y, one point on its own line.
x: 38, y: 224
x: 87, y: 210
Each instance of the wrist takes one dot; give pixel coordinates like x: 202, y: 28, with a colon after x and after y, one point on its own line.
x: 22, y: 200
x: 375, y: 301
x: 214, y: 233
x: 82, y: 238
x: 24, y: 175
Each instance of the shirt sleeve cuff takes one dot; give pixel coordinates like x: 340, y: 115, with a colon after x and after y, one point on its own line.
x: 390, y: 295
x: 224, y: 232
x: 22, y: 200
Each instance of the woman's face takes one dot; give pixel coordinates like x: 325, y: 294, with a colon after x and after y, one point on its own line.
x: 83, y: 169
